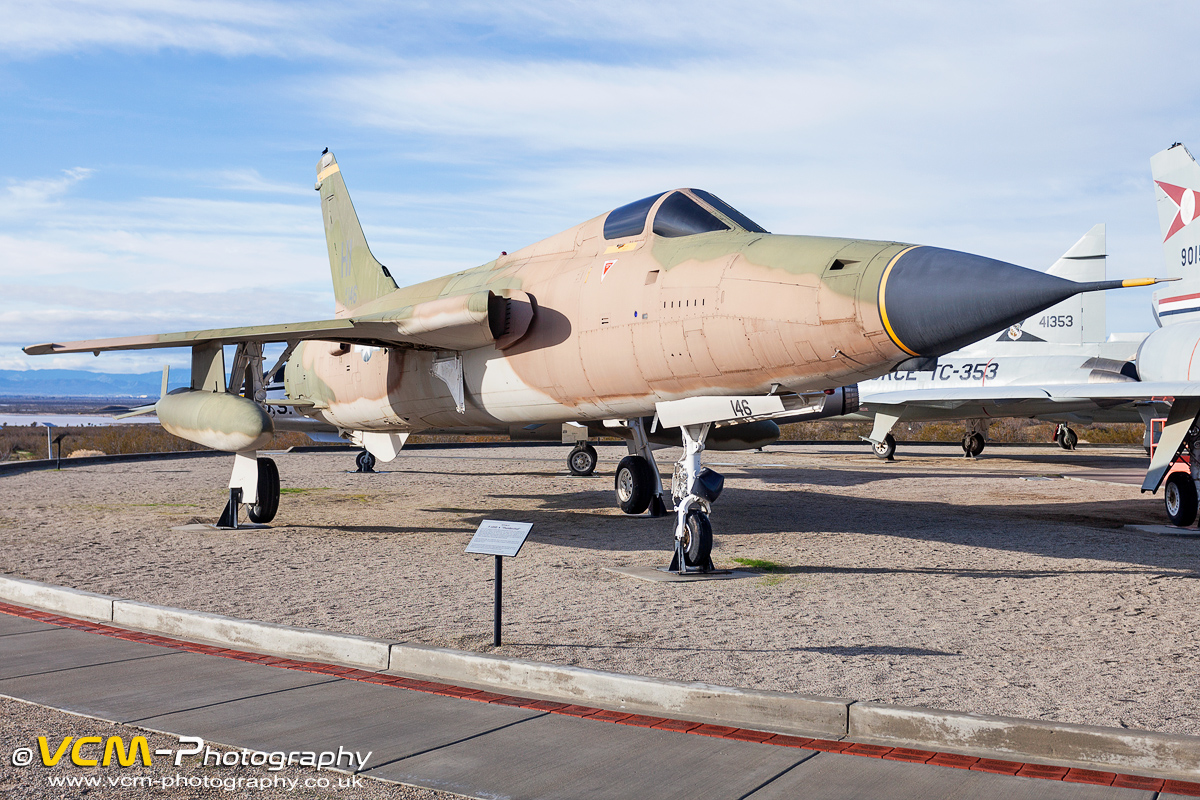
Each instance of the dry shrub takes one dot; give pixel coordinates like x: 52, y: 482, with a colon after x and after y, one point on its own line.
x: 19, y: 442
x: 1005, y: 429
x: 85, y: 453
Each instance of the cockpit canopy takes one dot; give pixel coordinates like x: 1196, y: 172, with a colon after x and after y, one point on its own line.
x: 683, y: 212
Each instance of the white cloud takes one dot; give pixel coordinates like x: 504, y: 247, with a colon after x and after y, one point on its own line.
x: 25, y: 196
x: 226, y: 28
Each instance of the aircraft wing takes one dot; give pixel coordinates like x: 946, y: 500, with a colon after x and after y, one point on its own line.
x: 463, y: 322
x: 998, y: 395
x: 954, y: 397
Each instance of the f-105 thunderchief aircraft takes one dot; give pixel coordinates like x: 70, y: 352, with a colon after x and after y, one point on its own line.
x: 672, y: 312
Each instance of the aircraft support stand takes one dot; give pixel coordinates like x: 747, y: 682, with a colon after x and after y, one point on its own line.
x: 229, y: 517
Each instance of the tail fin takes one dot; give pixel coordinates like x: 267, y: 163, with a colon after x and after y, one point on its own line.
x: 1086, y: 261
x: 1176, y: 184
x: 358, y: 277
x: 1077, y: 319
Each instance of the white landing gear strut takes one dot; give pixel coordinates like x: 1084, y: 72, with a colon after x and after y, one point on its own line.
x: 694, y: 489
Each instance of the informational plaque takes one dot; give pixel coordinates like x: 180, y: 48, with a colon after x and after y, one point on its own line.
x: 499, y: 538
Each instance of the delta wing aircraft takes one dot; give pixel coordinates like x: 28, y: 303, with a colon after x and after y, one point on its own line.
x: 675, y: 311
x: 1009, y: 375
x: 1168, y: 360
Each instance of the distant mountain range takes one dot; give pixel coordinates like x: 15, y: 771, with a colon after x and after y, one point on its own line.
x: 81, y: 383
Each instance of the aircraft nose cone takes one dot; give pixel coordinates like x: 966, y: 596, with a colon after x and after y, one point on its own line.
x: 933, y: 301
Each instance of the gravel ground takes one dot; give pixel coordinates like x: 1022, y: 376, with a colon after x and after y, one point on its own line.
x: 23, y: 723
x: 931, y: 581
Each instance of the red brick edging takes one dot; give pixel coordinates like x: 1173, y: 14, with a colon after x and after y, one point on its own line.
x: 1068, y: 774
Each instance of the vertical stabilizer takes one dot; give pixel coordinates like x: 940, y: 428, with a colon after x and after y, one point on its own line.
x: 357, y: 276
x: 1176, y: 182
x: 1077, y: 319
x: 1085, y: 261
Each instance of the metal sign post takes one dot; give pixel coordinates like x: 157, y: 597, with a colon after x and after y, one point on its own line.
x: 499, y: 538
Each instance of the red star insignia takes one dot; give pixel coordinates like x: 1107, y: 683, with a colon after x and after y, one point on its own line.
x: 1185, y: 203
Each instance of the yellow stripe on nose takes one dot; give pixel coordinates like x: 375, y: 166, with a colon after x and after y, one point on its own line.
x: 883, y: 305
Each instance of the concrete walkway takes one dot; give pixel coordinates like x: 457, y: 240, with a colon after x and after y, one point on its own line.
x: 481, y: 749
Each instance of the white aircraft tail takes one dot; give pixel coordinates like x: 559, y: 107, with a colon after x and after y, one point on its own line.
x: 1176, y: 183
x: 1077, y: 319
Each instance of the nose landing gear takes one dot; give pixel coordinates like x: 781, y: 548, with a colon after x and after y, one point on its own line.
x: 694, y: 489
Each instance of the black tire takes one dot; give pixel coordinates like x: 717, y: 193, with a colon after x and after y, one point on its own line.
x: 977, y: 444
x: 698, y: 540
x: 268, y: 493
x: 1180, y: 498
x: 886, y: 449
x: 1069, y: 439
x: 365, y: 462
x: 634, y: 484
x: 582, y: 460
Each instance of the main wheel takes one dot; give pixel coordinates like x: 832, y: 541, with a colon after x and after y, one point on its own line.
x: 268, y: 493
x: 977, y: 444
x: 697, y: 539
x: 885, y: 449
x: 1069, y: 439
x: 365, y: 462
x: 582, y: 460
x: 1180, y: 497
x: 634, y: 484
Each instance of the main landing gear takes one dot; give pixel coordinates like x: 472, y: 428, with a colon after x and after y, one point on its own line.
x: 1181, y: 499
x: 365, y: 462
x: 582, y: 461
x: 264, y: 504
x: 693, y: 488
x: 1066, y: 438
x: 972, y: 444
x: 885, y: 449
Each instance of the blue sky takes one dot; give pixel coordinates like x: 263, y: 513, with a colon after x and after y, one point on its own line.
x: 159, y: 156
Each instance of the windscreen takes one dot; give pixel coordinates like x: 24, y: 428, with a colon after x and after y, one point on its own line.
x: 729, y: 211
x: 680, y: 215
x: 629, y: 220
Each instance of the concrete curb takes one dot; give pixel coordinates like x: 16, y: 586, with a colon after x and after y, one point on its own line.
x: 780, y: 712
x: 56, y: 598
x: 1091, y: 747
x: 1060, y: 742
x: 283, y: 640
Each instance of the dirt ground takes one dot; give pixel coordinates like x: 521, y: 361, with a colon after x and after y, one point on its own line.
x: 931, y: 581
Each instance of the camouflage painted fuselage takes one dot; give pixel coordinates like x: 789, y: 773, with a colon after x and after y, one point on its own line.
x: 621, y: 324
